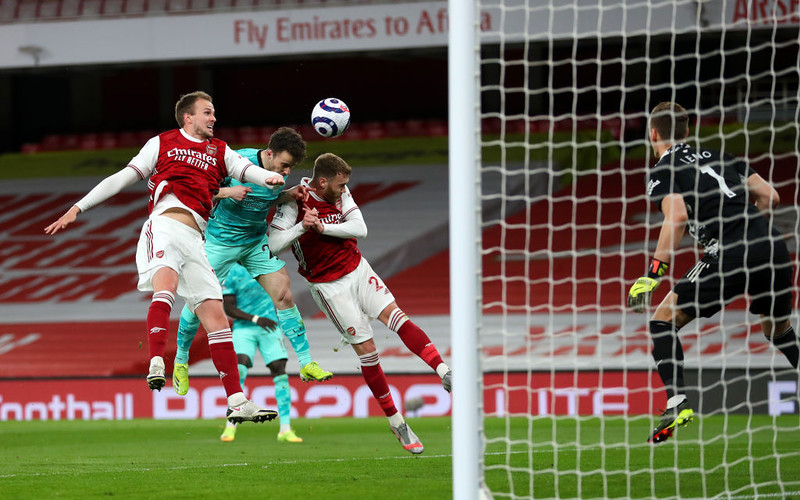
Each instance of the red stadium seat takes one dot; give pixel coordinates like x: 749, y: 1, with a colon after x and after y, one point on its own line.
x: 437, y: 128
x: 89, y: 141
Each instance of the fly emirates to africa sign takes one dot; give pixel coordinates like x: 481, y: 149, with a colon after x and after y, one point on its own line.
x: 363, y: 27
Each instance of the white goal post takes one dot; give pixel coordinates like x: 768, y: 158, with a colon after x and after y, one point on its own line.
x: 555, y: 388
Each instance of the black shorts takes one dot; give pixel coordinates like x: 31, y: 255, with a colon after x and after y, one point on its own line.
x: 708, y: 286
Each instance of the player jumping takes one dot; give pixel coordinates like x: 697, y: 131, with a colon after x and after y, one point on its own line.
x: 322, y: 232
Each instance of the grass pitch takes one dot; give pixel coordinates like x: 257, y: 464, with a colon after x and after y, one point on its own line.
x: 360, y: 458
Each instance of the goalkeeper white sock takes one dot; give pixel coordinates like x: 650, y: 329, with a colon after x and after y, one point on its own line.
x: 675, y: 400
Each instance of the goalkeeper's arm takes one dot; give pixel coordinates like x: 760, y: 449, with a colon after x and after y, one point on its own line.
x: 669, y: 240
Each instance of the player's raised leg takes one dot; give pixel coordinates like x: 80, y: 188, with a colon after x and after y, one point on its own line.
x: 417, y: 341
x: 376, y: 380
x: 782, y: 336
x: 277, y: 285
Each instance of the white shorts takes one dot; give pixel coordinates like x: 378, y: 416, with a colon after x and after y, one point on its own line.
x: 165, y: 242
x: 352, y: 301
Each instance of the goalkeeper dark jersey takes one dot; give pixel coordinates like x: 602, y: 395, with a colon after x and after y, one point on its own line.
x: 722, y: 218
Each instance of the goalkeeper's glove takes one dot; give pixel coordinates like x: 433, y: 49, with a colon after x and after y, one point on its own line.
x: 641, y: 292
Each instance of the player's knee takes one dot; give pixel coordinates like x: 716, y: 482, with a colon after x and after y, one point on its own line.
x: 775, y: 329
x: 244, y: 360
x: 277, y: 367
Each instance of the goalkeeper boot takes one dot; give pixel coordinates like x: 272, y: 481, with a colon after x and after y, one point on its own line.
x: 289, y: 436
x: 407, y: 438
x: 155, y: 377
x: 249, y: 412
x: 679, y: 415
x: 229, y: 434
x: 180, y: 378
x: 312, y: 371
x: 447, y: 380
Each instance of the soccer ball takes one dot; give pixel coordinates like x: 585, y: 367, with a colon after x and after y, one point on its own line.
x: 330, y: 117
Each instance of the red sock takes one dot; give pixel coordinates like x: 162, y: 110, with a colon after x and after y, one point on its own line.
x: 220, y: 344
x: 376, y: 381
x: 158, y: 322
x: 414, y: 338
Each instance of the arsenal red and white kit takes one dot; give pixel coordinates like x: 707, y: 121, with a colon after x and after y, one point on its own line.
x: 323, y: 258
x: 343, y: 284
x: 184, y: 172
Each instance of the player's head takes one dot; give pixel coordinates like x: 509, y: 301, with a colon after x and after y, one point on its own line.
x: 195, y: 114
x: 669, y: 123
x: 331, y: 175
x: 286, y: 149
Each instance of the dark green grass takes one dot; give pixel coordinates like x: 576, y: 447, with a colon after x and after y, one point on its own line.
x: 346, y: 458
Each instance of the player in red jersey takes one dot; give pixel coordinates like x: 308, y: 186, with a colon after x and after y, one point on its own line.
x: 322, y: 232
x: 185, y: 167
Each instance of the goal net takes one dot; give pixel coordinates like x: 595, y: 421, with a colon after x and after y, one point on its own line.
x: 570, y: 393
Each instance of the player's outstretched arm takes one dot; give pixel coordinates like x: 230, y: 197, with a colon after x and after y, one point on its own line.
x: 63, y: 221
x: 299, y: 193
x: 241, y: 169
x: 107, y: 188
x: 669, y: 240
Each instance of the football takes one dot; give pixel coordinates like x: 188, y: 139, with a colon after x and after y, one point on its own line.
x: 330, y: 117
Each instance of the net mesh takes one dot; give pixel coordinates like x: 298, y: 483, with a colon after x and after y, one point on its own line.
x: 571, y: 393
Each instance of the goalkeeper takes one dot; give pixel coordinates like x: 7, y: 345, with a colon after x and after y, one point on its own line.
x: 725, y: 206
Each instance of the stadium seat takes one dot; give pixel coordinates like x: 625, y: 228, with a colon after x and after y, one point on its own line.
x: 89, y: 141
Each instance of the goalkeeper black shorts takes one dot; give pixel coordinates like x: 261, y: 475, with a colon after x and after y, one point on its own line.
x: 708, y: 286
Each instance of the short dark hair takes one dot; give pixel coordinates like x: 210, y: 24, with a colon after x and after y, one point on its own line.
x: 289, y: 140
x: 670, y: 120
x: 329, y: 165
x: 186, y: 104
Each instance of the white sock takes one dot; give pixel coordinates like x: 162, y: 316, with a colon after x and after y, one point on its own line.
x: 675, y: 401
x: 442, y: 370
x: 284, y: 428
x: 396, y: 420
x: 236, y: 399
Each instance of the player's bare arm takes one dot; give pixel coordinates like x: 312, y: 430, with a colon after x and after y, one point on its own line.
x: 238, y: 193
x: 107, y: 188
x: 669, y: 240
x: 63, y: 221
x: 229, y: 304
x: 762, y: 193
x: 299, y: 193
x: 675, y: 217
x: 311, y: 220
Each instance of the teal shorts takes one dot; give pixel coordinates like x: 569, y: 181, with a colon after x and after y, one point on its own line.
x: 249, y: 337
x: 255, y: 257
